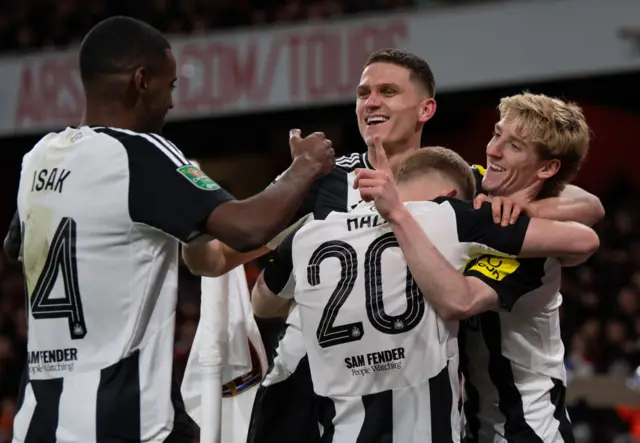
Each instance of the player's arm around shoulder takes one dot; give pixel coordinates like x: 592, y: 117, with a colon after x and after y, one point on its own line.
x: 571, y: 242
x: 573, y: 204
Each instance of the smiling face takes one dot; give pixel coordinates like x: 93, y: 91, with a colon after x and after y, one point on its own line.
x: 391, y: 104
x: 513, y: 162
x: 537, y: 147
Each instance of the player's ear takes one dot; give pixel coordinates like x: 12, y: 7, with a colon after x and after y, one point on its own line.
x: 427, y: 110
x: 141, y: 79
x: 453, y: 193
x: 549, y: 169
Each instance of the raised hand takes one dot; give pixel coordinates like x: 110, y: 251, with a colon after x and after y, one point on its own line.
x: 314, y: 150
x: 379, y: 186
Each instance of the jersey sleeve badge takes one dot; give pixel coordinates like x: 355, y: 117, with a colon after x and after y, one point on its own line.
x: 198, y: 178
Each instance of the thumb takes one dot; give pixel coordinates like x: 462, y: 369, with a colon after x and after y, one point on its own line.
x: 294, y: 136
x: 381, y: 157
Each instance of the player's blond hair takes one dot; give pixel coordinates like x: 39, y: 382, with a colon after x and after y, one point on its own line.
x: 557, y: 128
x: 445, y: 162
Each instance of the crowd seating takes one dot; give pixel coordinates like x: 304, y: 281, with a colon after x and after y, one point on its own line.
x: 32, y: 24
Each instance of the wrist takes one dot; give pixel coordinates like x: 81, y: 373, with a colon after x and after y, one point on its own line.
x: 307, y: 166
x: 398, y: 215
x: 531, y: 210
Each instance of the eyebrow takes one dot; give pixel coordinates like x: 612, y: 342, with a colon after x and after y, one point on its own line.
x: 515, y: 138
x: 378, y: 86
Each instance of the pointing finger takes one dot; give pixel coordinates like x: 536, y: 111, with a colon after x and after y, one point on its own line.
x: 381, y: 157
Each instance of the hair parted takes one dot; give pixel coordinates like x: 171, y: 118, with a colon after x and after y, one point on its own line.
x: 557, y: 128
x: 443, y: 161
x: 418, y: 67
x: 120, y: 44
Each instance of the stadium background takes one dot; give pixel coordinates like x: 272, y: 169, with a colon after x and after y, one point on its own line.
x: 251, y: 70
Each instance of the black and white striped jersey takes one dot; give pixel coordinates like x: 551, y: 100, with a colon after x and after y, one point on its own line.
x: 378, y: 352
x: 333, y: 192
x: 513, y: 359
x: 102, y: 212
x: 289, y: 376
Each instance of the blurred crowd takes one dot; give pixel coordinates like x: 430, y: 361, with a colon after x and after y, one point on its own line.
x: 32, y: 24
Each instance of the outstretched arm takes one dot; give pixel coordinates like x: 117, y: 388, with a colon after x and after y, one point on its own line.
x: 214, y: 258
x: 455, y: 296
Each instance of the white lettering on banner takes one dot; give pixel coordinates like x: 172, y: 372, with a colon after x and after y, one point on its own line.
x: 469, y: 47
x: 50, y: 92
x: 313, y: 64
x: 217, y: 74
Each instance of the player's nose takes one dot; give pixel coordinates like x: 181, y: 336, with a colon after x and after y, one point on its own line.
x: 494, y: 150
x: 373, y: 101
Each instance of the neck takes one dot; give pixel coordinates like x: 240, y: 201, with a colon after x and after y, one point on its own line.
x: 525, y: 195
x: 110, y: 114
x: 396, y: 155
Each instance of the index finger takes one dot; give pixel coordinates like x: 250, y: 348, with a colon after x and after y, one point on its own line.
x: 381, y: 157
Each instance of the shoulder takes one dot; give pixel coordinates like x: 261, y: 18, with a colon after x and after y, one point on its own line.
x: 347, y: 163
x: 41, y: 144
x: 147, y: 146
x: 456, y: 204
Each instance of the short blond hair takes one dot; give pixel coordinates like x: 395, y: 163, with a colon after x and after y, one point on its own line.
x: 557, y: 128
x: 441, y: 160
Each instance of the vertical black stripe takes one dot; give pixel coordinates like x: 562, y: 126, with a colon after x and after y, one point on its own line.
x: 558, y: 394
x: 183, y: 424
x: 24, y: 381
x: 471, y: 404
x: 333, y: 195
x: 441, y: 399
x: 327, y: 415
x: 44, y: 422
x: 378, y: 418
x: 118, y: 402
x: 516, y: 428
x: 286, y: 411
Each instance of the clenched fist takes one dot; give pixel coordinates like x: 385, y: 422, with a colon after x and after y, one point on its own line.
x: 314, y: 150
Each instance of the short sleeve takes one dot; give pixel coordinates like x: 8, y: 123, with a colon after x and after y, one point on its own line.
x: 14, y: 239
x: 477, y: 226
x: 166, y: 191
x: 511, y: 278
x: 278, y: 274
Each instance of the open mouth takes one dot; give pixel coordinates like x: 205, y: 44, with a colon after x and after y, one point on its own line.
x: 496, y: 168
x: 375, y: 120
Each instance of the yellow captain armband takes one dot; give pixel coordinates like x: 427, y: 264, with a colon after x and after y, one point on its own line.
x: 496, y: 268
